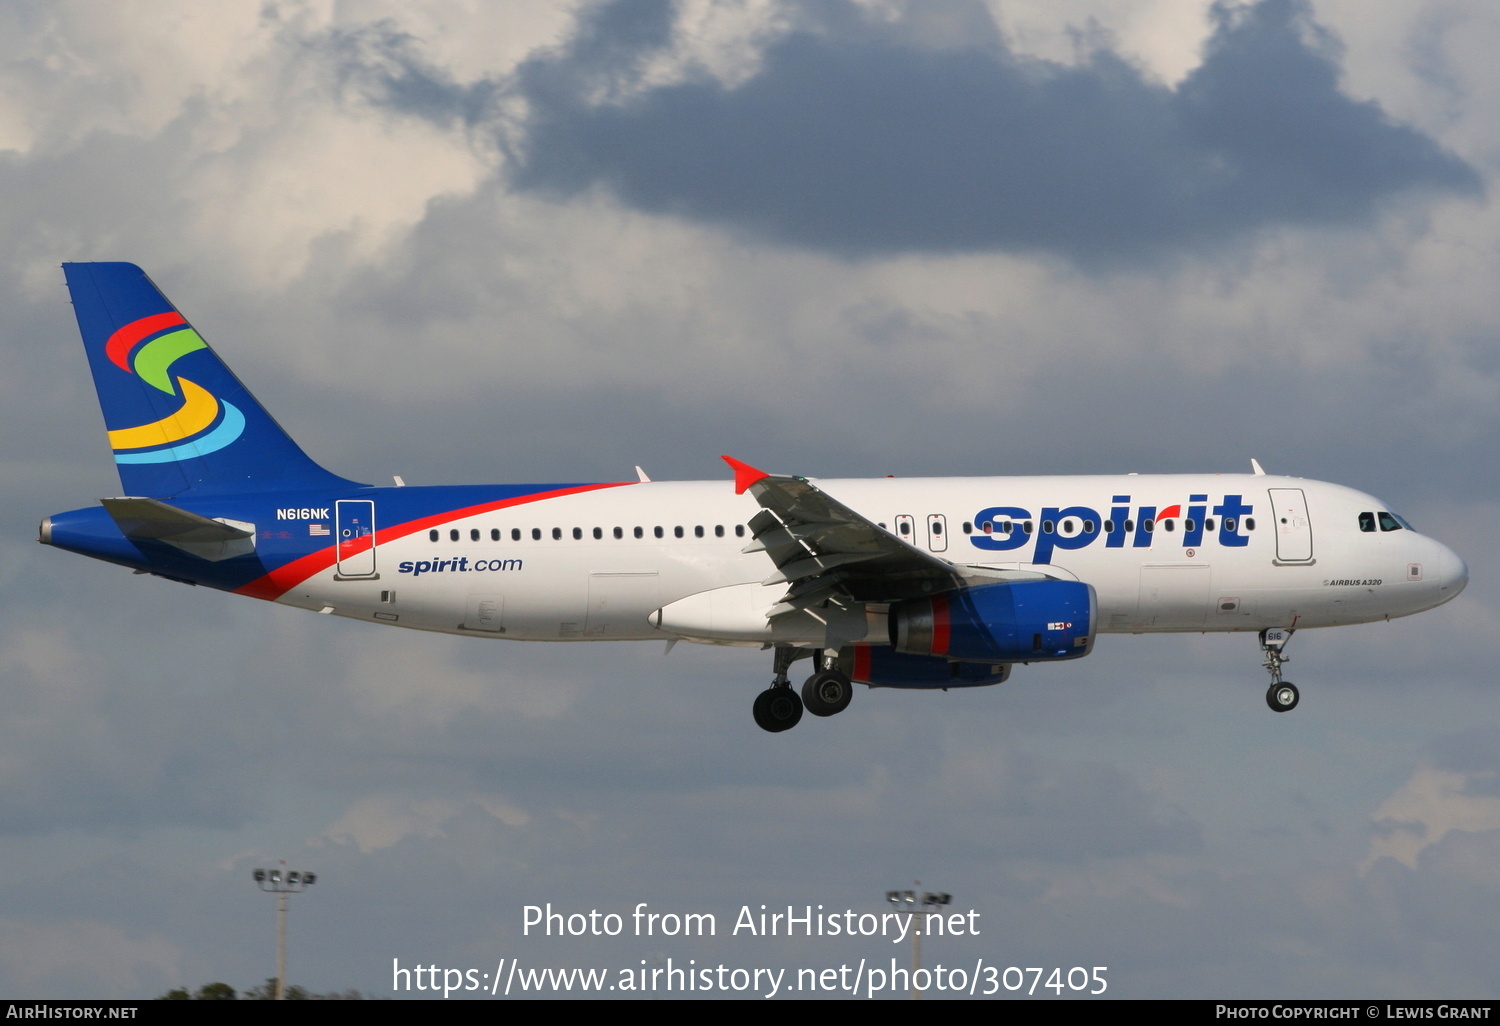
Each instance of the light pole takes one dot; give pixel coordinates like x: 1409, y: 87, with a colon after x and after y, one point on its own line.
x: 906, y: 901
x: 930, y: 899
x: 282, y: 882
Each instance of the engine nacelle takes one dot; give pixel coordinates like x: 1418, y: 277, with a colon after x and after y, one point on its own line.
x: 880, y: 667
x: 1010, y: 622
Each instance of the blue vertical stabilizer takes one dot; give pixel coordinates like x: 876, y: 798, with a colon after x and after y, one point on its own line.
x: 177, y: 417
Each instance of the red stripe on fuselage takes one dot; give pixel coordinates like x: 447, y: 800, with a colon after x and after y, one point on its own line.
x: 283, y: 579
x: 121, y: 342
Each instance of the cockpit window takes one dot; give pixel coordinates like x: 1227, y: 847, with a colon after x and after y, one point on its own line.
x: 1367, y: 522
x: 1391, y: 522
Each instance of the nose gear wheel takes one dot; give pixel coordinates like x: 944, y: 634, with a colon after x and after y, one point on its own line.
x: 1282, y: 696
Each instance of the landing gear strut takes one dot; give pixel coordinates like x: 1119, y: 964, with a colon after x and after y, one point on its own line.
x: 1282, y: 696
x: 778, y: 708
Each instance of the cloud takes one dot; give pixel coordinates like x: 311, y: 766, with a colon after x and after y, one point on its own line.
x: 379, y: 821
x: 46, y: 958
x: 852, y: 139
x: 320, y: 187
x: 1430, y: 806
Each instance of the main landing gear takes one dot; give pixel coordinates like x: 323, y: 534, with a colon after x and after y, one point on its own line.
x: 1282, y: 695
x: 826, y: 692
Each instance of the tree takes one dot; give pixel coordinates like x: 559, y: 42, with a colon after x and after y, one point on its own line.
x: 265, y: 992
x: 207, y: 992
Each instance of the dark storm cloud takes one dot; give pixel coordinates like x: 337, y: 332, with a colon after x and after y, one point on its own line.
x: 858, y: 143
x: 386, y: 66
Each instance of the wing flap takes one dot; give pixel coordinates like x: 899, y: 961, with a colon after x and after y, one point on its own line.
x: 815, y: 565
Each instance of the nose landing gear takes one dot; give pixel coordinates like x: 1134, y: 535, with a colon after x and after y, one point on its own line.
x: 1282, y: 695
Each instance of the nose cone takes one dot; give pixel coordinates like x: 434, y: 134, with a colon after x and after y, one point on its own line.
x: 1449, y: 571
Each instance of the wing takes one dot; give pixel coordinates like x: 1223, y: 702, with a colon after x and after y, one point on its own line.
x: 823, y: 550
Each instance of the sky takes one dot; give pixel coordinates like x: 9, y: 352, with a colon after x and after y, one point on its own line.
x: 466, y: 241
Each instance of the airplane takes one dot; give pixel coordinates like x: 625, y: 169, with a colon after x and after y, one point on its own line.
x: 901, y: 583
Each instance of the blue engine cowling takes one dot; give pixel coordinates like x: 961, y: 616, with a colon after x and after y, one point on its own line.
x: 1011, y: 622
x: 880, y: 667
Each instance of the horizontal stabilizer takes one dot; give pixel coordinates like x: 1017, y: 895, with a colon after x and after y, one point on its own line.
x: 153, y: 520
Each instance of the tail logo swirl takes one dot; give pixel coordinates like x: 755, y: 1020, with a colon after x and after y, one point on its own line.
x: 201, y: 425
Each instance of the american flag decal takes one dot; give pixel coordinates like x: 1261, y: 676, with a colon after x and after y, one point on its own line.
x: 317, y: 530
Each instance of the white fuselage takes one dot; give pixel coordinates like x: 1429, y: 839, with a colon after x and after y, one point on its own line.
x: 1163, y: 553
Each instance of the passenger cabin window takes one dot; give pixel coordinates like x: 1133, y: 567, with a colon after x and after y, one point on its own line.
x: 698, y: 531
x: 640, y: 532
x: 432, y: 535
x: 619, y: 532
x: 494, y: 534
x: 473, y: 534
x: 739, y: 530
x: 557, y: 534
x: 453, y: 535
x: 718, y: 530
x: 676, y: 532
x: 657, y: 531
x: 598, y: 533
x: 515, y: 534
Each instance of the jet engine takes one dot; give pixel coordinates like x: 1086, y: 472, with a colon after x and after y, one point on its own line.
x: 1008, y: 622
